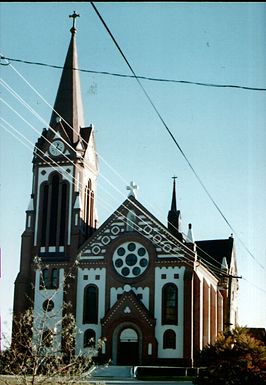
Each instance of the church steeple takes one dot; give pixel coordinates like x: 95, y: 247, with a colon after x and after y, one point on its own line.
x: 173, y: 204
x: 68, y: 103
x: 174, y: 215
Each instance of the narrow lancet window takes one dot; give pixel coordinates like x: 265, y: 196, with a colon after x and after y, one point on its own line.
x: 90, y: 305
x: 169, y: 304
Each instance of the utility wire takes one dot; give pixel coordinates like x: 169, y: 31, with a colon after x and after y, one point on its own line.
x: 172, y: 136
x: 35, y: 114
x: 26, y: 105
x: 162, y: 80
x: 181, y: 255
x: 218, y: 270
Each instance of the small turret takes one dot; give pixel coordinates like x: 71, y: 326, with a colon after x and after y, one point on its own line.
x: 190, y: 236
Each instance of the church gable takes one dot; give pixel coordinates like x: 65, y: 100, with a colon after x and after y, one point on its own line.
x: 132, y: 218
x: 128, y: 306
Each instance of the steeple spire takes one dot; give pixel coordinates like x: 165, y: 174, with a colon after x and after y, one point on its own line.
x: 173, y: 205
x: 174, y: 215
x: 68, y: 102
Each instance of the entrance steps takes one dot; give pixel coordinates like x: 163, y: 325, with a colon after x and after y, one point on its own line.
x: 111, y: 372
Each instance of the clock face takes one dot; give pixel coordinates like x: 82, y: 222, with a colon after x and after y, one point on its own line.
x: 57, y: 148
x: 130, y: 259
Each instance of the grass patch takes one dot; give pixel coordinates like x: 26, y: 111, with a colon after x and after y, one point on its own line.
x: 17, y: 380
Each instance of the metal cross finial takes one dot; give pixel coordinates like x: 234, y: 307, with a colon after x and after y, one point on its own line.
x: 174, y: 178
x: 74, y: 16
x: 132, y: 187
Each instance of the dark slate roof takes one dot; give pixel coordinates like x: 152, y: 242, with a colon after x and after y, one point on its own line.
x: 68, y: 102
x: 214, y: 251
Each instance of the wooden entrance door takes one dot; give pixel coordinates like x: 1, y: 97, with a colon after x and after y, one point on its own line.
x: 128, y: 347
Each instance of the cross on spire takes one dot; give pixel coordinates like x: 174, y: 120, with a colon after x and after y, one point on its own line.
x: 132, y: 187
x: 74, y: 16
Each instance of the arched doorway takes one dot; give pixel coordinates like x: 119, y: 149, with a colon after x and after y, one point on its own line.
x: 128, y: 347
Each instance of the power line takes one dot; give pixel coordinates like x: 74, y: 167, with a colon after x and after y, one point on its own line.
x: 162, y: 80
x: 183, y: 253
x: 218, y: 271
x: 25, y: 104
x: 172, y: 136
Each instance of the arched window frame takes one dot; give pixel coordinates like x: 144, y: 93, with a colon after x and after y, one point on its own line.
x: 53, y: 211
x: 131, y: 220
x: 169, y: 339
x: 55, y: 278
x: 89, y: 340
x: 44, y: 279
x: 169, y: 304
x: 88, y: 208
x: 90, y: 304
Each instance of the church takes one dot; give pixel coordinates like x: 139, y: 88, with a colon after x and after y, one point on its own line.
x: 155, y: 295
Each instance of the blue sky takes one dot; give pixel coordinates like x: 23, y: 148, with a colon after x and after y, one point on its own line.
x: 221, y: 130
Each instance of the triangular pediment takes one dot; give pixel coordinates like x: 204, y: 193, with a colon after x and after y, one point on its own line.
x: 131, y: 216
x: 128, y: 307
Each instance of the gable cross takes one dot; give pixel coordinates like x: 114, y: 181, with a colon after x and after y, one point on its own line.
x: 132, y: 187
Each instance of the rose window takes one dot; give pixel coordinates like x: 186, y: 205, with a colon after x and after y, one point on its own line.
x: 130, y: 259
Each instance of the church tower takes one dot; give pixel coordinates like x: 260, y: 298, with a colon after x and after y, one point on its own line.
x: 61, y: 213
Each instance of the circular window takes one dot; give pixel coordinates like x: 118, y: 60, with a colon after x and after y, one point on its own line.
x: 48, y: 305
x: 131, y: 246
x: 121, y: 251
x: 130, y: 259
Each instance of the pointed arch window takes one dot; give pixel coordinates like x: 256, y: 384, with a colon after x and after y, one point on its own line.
x: 131, y: 220
x: 89, y: 338
x: 169, y: 304
x: 90, y: 304
x: 169, y: 339
x: 89, y: 208
x: 44, y: 279
x: 44, y: 199
x: 54, y: 281
x: 53, y: 211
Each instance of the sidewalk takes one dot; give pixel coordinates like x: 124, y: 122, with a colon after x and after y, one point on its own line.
x: 110, y: 372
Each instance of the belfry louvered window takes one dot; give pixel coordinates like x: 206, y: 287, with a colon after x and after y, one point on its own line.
x: 88, y: 209
x: 53, y: 212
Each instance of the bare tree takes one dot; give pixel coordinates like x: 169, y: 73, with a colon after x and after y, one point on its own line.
x: 40, y: 354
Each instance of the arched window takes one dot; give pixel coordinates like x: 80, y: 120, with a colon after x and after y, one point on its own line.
x: 169, y: 339
x: 54, y: 283
x: 44, y: 279
x: 90, y: 305
x: 63, y: 214
x: 53, y: 211
x: 169, y: 304
x: 89, y: 208
x: 91, y: 219
x: 131, y: 221
x: 44, y: 198
x: 47, y: 338
x: 89, y: 338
